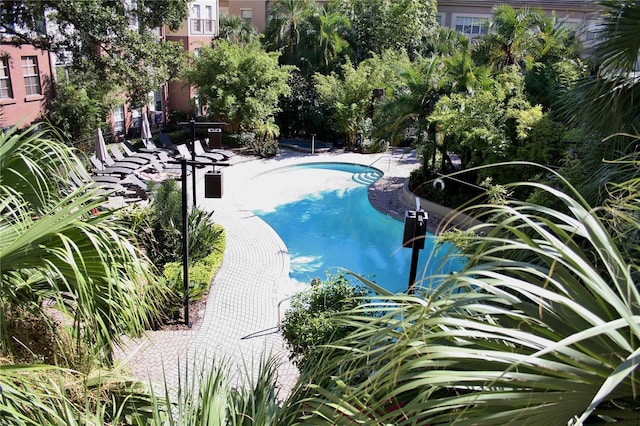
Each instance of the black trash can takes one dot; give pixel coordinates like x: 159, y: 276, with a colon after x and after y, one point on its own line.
x: 215, y: 138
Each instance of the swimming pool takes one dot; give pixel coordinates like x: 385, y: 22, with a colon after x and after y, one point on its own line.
x: 322, y: 213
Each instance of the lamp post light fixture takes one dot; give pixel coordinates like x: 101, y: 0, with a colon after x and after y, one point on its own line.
x: 212, y: 128
x: 415, y: 229
x: 212, y: 189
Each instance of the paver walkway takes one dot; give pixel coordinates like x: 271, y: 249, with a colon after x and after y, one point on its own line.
x: 241, y: 318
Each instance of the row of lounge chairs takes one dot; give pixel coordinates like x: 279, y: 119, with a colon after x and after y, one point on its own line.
x: 125, y: 172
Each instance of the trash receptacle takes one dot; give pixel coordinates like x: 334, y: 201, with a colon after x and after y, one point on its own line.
x: 215, y: 138
x: 213, y: 184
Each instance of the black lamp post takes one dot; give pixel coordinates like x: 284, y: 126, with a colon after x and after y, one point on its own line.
x: 213, y: 189
x: 415, y: 229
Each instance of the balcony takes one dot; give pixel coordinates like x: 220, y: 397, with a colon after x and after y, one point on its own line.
x: 203, y: 26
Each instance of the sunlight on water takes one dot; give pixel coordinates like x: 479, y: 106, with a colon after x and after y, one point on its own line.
x: 327, y: 223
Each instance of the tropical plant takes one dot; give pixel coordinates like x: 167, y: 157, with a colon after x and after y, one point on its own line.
x: 159, y: 226
x: 511, y: 39
x: 323, y: 41
x: 349, y: 94
x: 236, y: 30
x: 407, y: 110
x: 380, y: 25
x: 614, y: 87
x: 539, y: 327
x: 240, y: 84
x: 301, y: 112
x: 59, y: 249
x: 307, y: 323
x: 604, y: 105
x: 283, y: 27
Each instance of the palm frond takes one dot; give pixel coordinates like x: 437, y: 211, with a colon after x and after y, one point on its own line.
x: 540, y: 327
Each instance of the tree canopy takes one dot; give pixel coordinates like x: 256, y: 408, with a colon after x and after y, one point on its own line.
x: 240, y: 84
x: 108, y: 41
x: 378, y: 25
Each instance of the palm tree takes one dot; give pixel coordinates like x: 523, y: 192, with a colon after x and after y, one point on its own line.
x: 332, y: 37
x: 58, y: 246
x: 412, y: 104
x: 511, y: 38
x: 615, y: 87
x: 236, y: 30
x: 284, y: 24
x: 540, y: 327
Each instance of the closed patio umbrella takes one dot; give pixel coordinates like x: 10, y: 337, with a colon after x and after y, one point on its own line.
x: 145, y: 133
x: 101, y: 147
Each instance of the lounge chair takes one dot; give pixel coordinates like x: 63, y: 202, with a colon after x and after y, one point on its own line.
x: 121, y: 163
x: 107, y: 185
x: 130, y: 151
x: 119, y: 156
x: 116, y: 169
x: 183, y: 152
x: 200, y: 152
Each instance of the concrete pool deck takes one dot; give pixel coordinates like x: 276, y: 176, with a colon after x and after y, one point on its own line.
x: 250, y: 291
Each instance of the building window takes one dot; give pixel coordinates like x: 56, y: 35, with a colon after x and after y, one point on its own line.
x: 246, y: 14
x: 208, y: 20
x: 118, y: 120
x: 472, y: 26
x: 31, y: 75
x: 196, y: 23
x: 5, y: 79
x: 440, y: 18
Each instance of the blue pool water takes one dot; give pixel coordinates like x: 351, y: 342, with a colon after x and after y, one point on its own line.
x: 336, y: 228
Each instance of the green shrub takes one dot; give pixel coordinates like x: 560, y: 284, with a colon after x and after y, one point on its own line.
x: 308, y: 324
x: 238, y: 140
x: 201, y: 271
x: 372, y: 146
x: 265, y: 149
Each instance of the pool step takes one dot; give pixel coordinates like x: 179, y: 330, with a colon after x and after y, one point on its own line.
x: 366, y: 178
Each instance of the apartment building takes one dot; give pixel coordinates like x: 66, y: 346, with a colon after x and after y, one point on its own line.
x: 471, y: 17
x: 252, y: 11
x: 199, y: 29
x: 26, y: 83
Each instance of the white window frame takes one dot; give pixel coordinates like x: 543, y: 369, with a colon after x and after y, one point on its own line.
x: 196, y: 22
x: 208, y: 23
x: 31, y: 74
x: 118, y: 120
x: 6, y: 90
x: 441, y: 18
x: 476, y: 20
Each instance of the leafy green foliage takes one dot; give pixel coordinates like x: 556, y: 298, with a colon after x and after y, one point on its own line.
x: 74, y: 111
x: 301, y: 112
x: 53, y: 247
x: 539, y: 327
x: 201, y: 269
x: 307, y: 324
x: 236, y: 30
x: 379, y: 25
x: 347, y: 96
x: 323, y: 43
x: 101, y: 41
x: 240, y: 84
x: 283, y: 26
